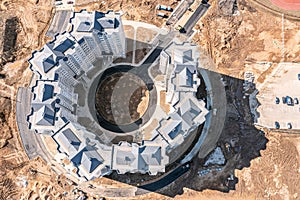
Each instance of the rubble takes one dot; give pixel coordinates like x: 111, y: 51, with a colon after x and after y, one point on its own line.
x: 215, y: 158
x: 228, y: 7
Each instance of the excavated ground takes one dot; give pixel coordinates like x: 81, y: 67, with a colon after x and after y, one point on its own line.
x: 235, y: 43
x: 121, y: 98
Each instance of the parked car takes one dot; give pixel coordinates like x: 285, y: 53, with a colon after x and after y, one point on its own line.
x: 58, y: 3
x: 70, y: 2
x: 296, y: 101
x: 289, y: 101
x: 277, y: 100
x: 289, y: 125
x: 283, y: 100
x: 299, y: 77
x: 277, y: 125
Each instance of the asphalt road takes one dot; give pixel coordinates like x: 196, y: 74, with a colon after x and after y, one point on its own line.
x: 179, y: 11
x: 199, y: 12
x: 59, y: 23
x: 32, y: 142
x: 217, y: 101
x: 166, y: 180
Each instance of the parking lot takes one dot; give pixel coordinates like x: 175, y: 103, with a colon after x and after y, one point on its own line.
x: 282, y: 83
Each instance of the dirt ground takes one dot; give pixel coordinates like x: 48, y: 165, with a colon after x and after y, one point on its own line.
x: 235, y: 43
x: 245, y: 43
x: 131, y: 101
x: 32, y: 19
x: 143, y: 10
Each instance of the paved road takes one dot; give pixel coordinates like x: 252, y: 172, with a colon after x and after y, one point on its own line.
x: 59, y: 23
x: 32, y: 142
x: 199, y: 12
x: 215, y: 120
x: 179, y: 11
x: 166, y: 180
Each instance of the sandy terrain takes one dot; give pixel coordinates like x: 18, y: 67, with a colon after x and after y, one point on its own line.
x: 243, y: 40
x: 144, y: 10
x: 246, y: 43
x: 235, y: 43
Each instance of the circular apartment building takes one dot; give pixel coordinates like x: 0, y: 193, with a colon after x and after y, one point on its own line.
x: 108, y: 115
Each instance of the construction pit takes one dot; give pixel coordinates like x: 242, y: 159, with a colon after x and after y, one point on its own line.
x: 235, y: 37
x: 115, y: 94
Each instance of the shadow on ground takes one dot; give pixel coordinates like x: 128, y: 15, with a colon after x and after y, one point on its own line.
x: 240, y: 142
x: 136, y: 51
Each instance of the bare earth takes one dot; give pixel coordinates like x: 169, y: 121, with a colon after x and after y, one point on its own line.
x: 235, y: 43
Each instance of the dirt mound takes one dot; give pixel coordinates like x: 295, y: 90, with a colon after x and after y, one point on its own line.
x: 228, y: 7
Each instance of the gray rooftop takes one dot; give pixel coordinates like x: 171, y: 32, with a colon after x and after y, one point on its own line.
x: 171, y: 126
x: 107, y: 22
x: 84, y: 26
x: 182, y: 55
x: 45, y: 116
x: 68, y: 142
x: 64, y: 45
x: 89, y: 21
x: 189, y: 107
x: 185, y: 75
x: 71, y: 138
x: 48, y: 63
x: 151, y: 155
x: 88, y: 158
x: 124, y: 157
x: 47, y: 92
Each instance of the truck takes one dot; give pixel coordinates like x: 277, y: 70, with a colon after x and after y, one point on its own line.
x: 163, y: 7
x: 58, y: 3
x: 180, y: 29
x: 163, y: 15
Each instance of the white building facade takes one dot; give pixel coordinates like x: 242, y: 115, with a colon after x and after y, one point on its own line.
x: 61, y: 64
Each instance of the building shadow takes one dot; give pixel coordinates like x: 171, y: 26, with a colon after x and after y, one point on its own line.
x: 240, y: 142
x: 136, y: 51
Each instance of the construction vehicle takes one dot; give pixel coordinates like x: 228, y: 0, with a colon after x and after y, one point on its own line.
x: 180, y: 29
